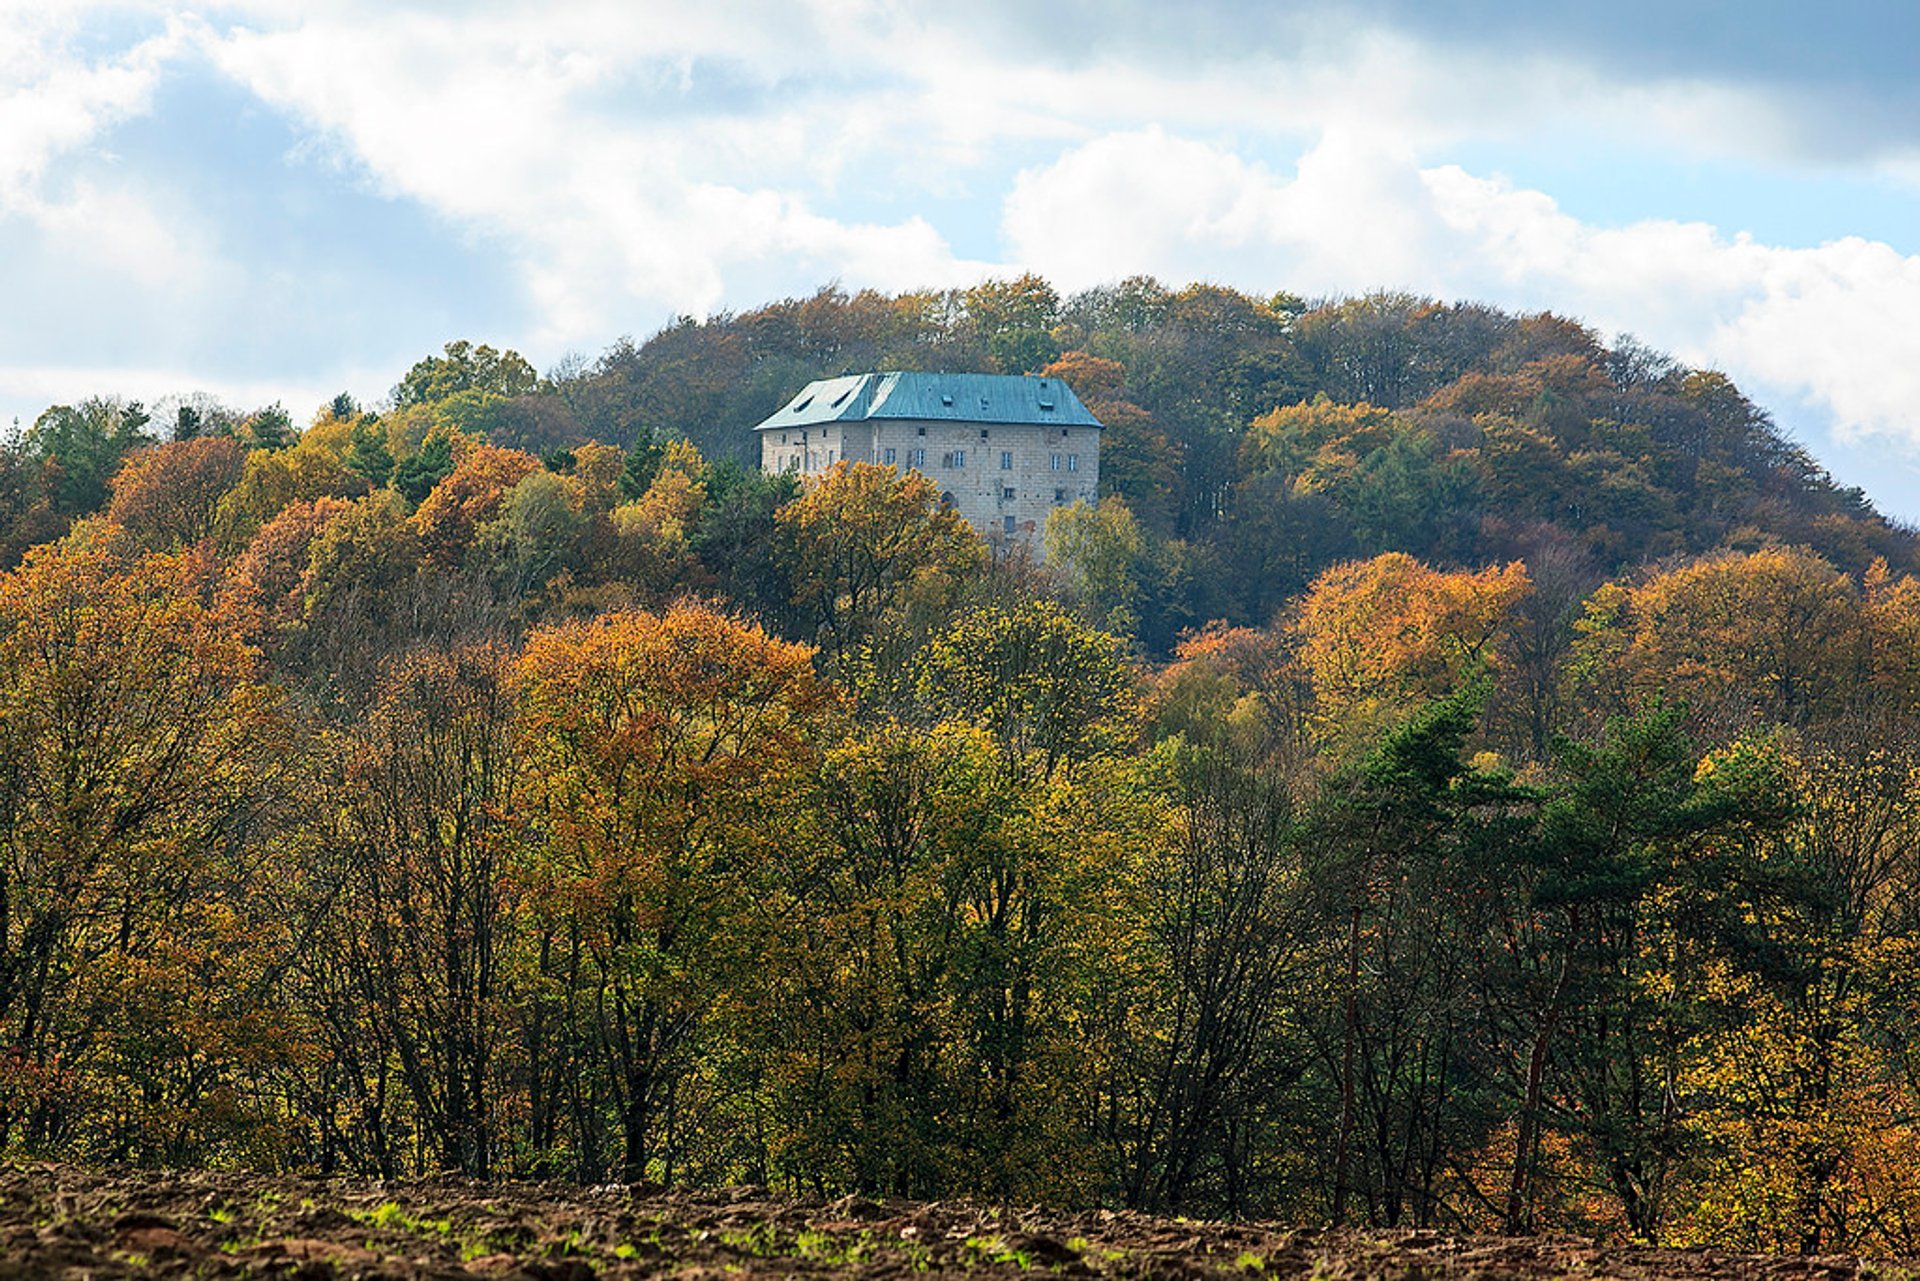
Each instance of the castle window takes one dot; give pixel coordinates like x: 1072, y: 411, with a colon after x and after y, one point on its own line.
x: 1053, y: 462
x: 983, y: 433
x: 886, y: 456
x: 959, y: 458
x: 916, y: 458
x: 923, y: 431
x: 1059, y: 495
x: 1008, y: 526
x: 1073, y: 462
x: 1006, y: 460
x: 1006, y: 492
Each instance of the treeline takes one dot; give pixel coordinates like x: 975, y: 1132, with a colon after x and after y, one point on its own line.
x: 375, y: 797
x: 1457, y: 433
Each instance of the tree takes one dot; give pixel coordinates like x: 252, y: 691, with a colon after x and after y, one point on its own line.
x: 450, y: 517
x: 1097, y: 550
x: 83, y: 446
x: 1777, y: 633
x: 1397, y: 852
x: 1016, y: 318
x: 465, y: 367
x: 167, y: 496
x: 1376, y: 636
x: 275, y: 564
x: 664, y: 755
x: 1226, y: 931
x: 425, y: 850
x: 137, y: 741
x: 368, y: 456
x: 865, y: 542
x: 269, y: 428
x: 417, y: 474
x: 1049, y: 690
x: 1648, y: 870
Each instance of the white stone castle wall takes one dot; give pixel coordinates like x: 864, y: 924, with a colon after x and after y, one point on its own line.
x: 979, y: 484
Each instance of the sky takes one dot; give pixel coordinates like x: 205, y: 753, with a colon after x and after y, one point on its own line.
x: 272, y: 201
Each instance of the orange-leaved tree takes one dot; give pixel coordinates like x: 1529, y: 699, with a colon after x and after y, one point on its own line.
x: 666, y: 756
x: 138, y: 743
x: 471, y: 495
x: 167, y: 496
x: 1378, y: 636
x: 1776, y: 633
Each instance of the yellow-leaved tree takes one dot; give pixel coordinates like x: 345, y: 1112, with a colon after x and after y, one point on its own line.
x: 864, y: 543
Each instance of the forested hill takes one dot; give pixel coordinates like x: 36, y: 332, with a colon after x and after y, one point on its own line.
x: 1254, y: 441
x: 1467, y: 775
x: 1488, y: 433
x: 1259, y: 440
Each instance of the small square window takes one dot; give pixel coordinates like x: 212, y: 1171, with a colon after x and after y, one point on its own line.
x: 1059, y: 495
x: 1006, y: 492
x: 923, y: 431
x: 983, y: 433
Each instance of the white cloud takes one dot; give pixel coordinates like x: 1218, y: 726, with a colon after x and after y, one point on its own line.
x: 52, y: 101
x: 55, y: 103
x: 672, y: 157
x: 498, y: 122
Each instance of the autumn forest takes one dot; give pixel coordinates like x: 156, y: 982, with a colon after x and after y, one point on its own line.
x: 1463, y: 773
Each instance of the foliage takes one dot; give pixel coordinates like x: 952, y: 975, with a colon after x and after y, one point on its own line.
x: 1461, y: 775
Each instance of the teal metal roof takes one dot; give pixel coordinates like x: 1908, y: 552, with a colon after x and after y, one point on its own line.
x: 965, y: 398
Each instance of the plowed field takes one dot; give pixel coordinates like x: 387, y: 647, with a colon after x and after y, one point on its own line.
x: 61, y: 1221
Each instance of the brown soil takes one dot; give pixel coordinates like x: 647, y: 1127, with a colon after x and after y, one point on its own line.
x: 60, y: 1221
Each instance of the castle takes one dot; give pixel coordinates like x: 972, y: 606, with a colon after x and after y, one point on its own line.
x: 1004, y: 450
